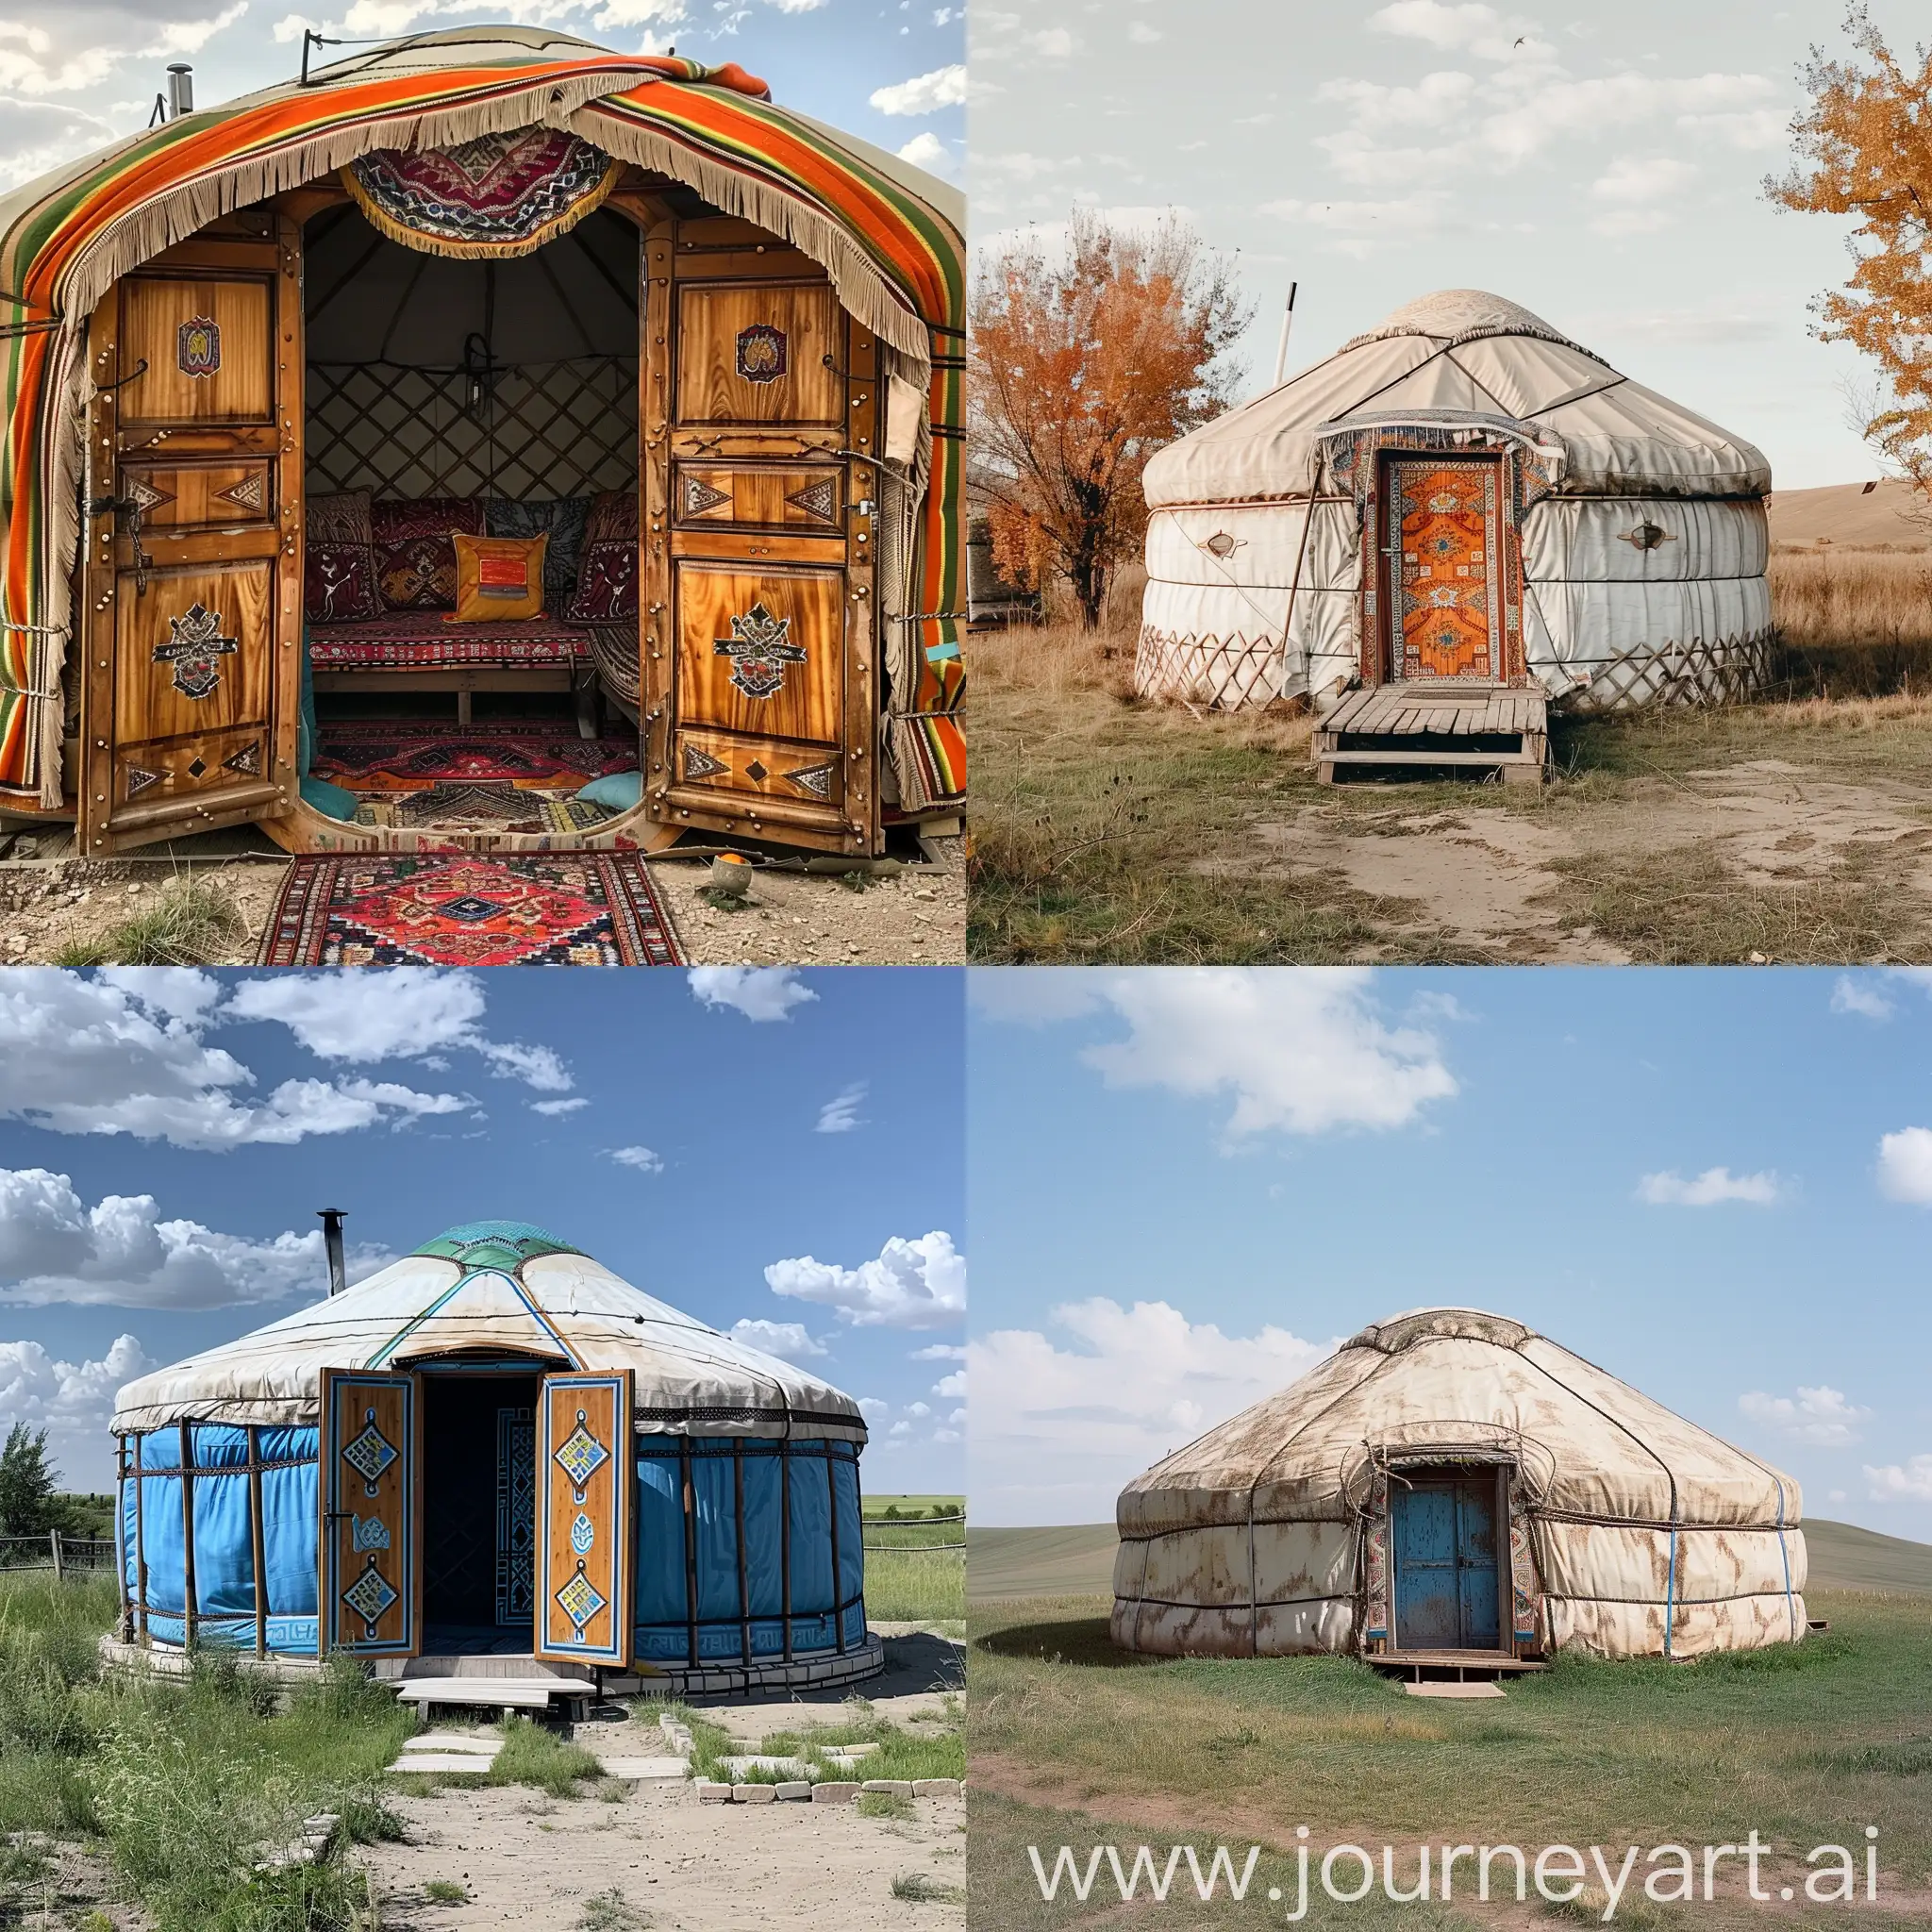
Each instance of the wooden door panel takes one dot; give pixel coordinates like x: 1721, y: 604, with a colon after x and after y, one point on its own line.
x: 585, y: 1459
x: 209, y: 342
x: 1446, y: 529
x: 773, y: 496
x: 771, y: 767
x: 192, y: 592
x: 371, y: 1457
x: 174, y: 498
x: 764, y: 353
x: 760, y: 651
x: 194, y: 651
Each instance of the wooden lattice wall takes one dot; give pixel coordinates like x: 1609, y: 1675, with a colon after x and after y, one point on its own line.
x: 551, y: 429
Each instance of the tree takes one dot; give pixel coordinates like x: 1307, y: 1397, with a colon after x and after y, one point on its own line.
x: 28, y: 1506
x: 1865, y: 148
x: 1082, y: 366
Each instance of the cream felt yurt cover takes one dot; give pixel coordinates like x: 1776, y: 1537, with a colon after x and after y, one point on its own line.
x: 1630, y: 1532
x: 1634, y: 528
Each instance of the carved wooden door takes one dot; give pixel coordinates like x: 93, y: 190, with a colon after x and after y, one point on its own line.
x: 192, y: 589
x: 1446, y: 574
x: 371, y: 1571
x: 585, y: 1472
x: 760, y: 632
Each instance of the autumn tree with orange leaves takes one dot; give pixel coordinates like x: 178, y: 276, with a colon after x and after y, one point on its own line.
x: 1083, y: 363
x: 1865, y: 149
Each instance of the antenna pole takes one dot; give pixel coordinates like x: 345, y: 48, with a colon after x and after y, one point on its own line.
x: 1286, y: 323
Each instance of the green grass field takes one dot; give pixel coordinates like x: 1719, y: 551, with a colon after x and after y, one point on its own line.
x: 1074, y: 1742
x: 910, y: 1577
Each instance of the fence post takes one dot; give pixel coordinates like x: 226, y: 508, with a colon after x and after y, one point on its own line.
x: 54, y: 1538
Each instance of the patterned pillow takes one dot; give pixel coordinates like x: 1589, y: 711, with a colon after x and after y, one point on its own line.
x: 562, y: 520
x: 339, y: 560
x: 607, y: 589
x: 416, y: 560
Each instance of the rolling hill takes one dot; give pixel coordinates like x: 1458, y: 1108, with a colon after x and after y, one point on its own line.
x: 1844, y: 515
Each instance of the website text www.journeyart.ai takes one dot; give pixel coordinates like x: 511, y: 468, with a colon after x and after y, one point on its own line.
x: 1413, y: 1875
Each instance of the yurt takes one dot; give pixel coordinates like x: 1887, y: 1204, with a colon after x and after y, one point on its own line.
x: 1460, y: 493
x: 1450, y: 1486
x: 487, y: 441
x: 495, y: 1446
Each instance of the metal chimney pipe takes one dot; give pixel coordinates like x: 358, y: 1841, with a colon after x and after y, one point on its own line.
x: 180, y: 89
x: 1286, y: 323
x: 331, y: 1219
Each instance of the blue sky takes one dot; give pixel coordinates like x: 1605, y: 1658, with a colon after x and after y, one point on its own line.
x: 165, y: 1140
x: 1600, y: 165
x: 1718, y: 1185
x: 79, y: 76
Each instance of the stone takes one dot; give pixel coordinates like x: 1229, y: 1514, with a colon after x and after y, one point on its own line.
x: 639, y: 1768
x: 795, y: 1791
x: 710, y: 1793
x: 888, y: 1787
x: 828, y: 1791
x: 935, y: 1788
x: 754, y: 1794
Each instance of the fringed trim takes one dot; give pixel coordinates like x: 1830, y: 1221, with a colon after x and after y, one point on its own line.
x: 861, y: 288
x: 63, y: 457
x: 381, y: 219
x: 930, y: 758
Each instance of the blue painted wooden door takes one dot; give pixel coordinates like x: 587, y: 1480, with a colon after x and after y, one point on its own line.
x: 1445, y: 1536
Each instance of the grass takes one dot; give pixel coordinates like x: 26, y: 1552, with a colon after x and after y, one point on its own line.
x: 445, y: 1892
x: 922, y: 1888
x: 1109, y: 830
x: 932, y: 1751
x: 916, y: 1579
x: 1809, y: 1743
x: 192, y: 922
x: 611, y: 1911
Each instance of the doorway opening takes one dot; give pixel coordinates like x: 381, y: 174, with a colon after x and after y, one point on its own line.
x: 479, y: 1504
x: 1448, y: 1539
x: 457, y: 414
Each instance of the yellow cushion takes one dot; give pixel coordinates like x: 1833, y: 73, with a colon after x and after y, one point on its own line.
x: 498, y: 577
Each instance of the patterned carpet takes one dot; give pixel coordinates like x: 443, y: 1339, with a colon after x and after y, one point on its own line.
x: 450, y: 908
x: 409, y: 755
x: 483, y: 807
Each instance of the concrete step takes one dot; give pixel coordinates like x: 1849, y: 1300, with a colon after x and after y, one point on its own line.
x: 497, y: 1693
x: 636, y: 1770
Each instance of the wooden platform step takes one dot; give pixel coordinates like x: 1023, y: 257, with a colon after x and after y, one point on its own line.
x: 1444, y: 723
x: 1479, y: 1662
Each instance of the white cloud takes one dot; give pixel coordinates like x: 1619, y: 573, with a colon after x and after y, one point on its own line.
x: 1475, y: 29
x: 1057, y: 1428
x: 1642, y: 178
x: 1707, y: 1190
x: 925, y: 93
x: 938, y: 1352
x: 1862, y: 996
x: 120, y: 1252
x: 1907, y: 1482
x: 840, y: 1115
x: 111, y: 1055
x: 926, y: 150
x: 639, y: 1157
x: 72, y: 1401
x: 1301, y: 1053
x: 1820, y: 1416
x: 952, y: 1386
x: 788, y: 1341
x: 873, y: 1409
x: 916, y: 1284
x: 759, y: 992
x: 1144, y: 35
x: 1905, y: 1166
x: 554, y: 1109
x: 402, y: 1013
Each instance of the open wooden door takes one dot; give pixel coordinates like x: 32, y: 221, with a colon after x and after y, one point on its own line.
x: 584, y: 1478
x: 372, y: 1544
x: 192, y: 588
x: 759, y: 630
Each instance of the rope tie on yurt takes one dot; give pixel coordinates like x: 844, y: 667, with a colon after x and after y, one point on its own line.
x: 1785, y: 1554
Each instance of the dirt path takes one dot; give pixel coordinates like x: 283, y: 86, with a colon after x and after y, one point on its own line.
x: 918, y: 918
x: 1498, y: 879
x: 679, y: 1865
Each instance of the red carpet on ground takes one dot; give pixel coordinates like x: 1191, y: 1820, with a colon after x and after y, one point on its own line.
x: 455, y: 908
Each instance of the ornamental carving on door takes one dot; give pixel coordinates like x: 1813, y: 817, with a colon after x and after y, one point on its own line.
x: 761, y: 353
x: 194, y: 648
x: 760, y: 648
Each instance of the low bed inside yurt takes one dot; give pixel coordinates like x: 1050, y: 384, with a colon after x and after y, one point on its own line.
x: 1460, y: 496
x: 1451, y: 1487
x: 495, y: 1446
x: 487, y: 441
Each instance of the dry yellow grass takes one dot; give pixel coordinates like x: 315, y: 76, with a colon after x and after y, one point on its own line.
x: 1827, y: 598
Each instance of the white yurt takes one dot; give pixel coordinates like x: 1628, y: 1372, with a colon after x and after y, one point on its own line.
x: 498, y: 1446
x: 1461, y: 492
x: 1449, y: 1484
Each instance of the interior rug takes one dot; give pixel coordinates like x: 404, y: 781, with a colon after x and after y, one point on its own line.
x: 496, y: 807
x: 410, y: 756
x: 458, y: 908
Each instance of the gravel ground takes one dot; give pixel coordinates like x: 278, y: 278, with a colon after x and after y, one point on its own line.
x: 916, y: 918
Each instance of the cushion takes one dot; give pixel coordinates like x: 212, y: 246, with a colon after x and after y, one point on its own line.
x: 607, y: 588
x: 409, y: 639
x: 339, y: 560
x: 415, y: 559
x: 499, y: 578
x: 330, y: 800
x: 615, y: 791
x: 562, y: 520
